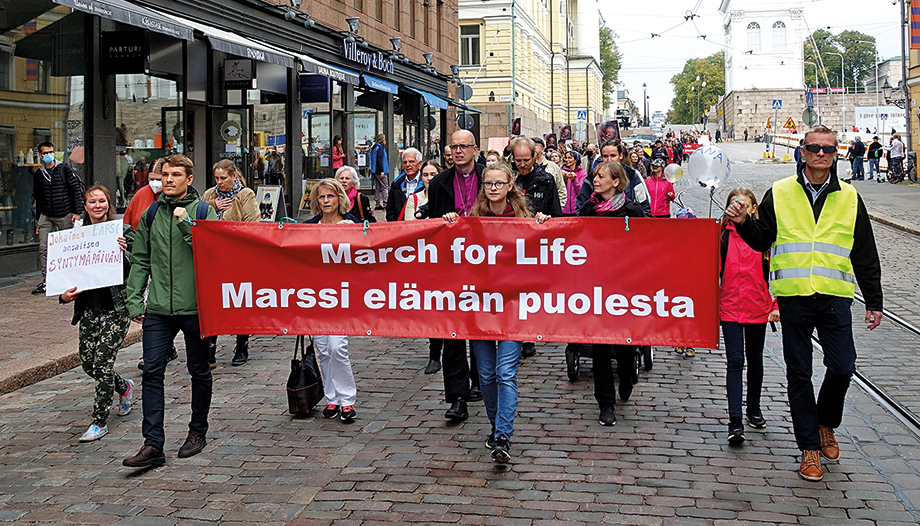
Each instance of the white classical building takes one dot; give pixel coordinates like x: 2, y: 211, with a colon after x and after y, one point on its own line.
x: 763, y: 44
x: 763, y: 62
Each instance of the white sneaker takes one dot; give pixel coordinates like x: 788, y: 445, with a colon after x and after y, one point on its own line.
x: 94, y: 433
x: 124, y: 400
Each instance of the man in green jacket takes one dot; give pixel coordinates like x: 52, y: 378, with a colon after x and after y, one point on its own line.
x: 163, y: 253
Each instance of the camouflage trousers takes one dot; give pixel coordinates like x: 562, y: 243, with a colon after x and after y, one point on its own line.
x: 101, y: 334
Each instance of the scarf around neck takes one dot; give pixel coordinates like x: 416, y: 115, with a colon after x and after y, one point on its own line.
x: 607, y: 206
x: 237, y: 187
x: 352, y: 196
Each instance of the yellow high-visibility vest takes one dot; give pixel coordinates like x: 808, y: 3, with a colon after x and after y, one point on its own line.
x: 809, y: 257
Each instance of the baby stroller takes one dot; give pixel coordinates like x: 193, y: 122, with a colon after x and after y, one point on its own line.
x: 643, y: 357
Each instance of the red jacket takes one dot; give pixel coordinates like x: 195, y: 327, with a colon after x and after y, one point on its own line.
x: 744, y: 293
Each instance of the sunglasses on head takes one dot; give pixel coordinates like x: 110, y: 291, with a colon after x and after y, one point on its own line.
x: 815, y: 148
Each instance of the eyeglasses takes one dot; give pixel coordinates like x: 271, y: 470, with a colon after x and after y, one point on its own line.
x: 326, y: 197
x: 462, y: 146
x: 815, y: 148
x: 496, y: 185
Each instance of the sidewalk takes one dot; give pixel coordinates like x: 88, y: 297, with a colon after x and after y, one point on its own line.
x: 37, y: 340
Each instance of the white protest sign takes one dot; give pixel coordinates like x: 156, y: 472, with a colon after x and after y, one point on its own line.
x: 86, y: 257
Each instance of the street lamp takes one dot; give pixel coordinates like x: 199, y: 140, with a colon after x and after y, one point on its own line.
x: 887, y: 92
x: 843, y: 82
x: 645, y: 104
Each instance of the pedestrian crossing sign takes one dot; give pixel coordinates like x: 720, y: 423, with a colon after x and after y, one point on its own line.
x: 581, y: 115
x: 790, y: 124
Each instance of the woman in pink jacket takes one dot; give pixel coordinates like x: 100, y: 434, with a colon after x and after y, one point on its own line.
x: 745, y: 307
x: 660, y: 190
x: 574, y: 176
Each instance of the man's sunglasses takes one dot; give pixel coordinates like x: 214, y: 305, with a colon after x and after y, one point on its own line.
x: 815, y: 148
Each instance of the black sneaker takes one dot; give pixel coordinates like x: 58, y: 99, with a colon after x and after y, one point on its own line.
x: 457, y: 411
x: 475, y: 393
x: 490, y: 442
x: 528, y: 349
x: 736, y: 433
x: 501, y: 450
x: 348, y: 413
x: 173, y: 353
x: 330, y: 411
x: 756, y: 419
x: 40, y: 289
x: 140, y: 364
x: 608, y: 417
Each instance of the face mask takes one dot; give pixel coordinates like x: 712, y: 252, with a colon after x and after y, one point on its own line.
x: 156, y: 186
x: 48, y: 158
x: 490, y: 163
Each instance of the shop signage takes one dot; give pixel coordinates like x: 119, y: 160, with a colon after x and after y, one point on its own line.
x: 239, y: 73
x: 314, y: 88
x: 375, y: 59
x: 124, y: 52
x: 473, y: 279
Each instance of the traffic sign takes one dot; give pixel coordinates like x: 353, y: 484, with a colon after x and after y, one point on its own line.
x: 810, y: 116
x: 809, y: 99
x: 581, y: 115
x: 464, y: 92
x: 777, y: 104
x: 464, y: 121
x: 581, y: 125
x: 790, y: 124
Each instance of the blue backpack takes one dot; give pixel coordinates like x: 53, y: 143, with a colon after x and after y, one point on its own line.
x: 201, y: 211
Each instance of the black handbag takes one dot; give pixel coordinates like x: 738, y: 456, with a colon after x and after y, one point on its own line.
x: 304, y: 385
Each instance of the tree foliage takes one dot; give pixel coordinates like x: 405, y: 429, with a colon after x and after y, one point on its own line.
x: 858, y: 52
x: 691, y: 98
x: 610, y: 63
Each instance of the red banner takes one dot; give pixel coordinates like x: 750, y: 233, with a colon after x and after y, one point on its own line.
x: 590, y: 280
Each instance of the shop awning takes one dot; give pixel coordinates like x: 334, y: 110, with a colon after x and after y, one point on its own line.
x: 135, y: 15
x: 431, y: 100
x: 311, y: 65
x: 380, y: 84
x: 463, y: 106
x: 240, y: 46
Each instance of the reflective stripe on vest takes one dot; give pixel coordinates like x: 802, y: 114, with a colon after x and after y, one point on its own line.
x: 809, y: 257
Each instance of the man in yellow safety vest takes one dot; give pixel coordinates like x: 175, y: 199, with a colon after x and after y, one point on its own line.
x: 821, y: 246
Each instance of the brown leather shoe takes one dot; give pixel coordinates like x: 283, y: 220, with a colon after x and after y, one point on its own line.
x: 192, y: 446
x: 829, y: 447
x: 811, y: 466
x: 148, y: 456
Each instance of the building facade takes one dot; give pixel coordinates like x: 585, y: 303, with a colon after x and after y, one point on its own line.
x: 537, y: 60
x: 115, y: 84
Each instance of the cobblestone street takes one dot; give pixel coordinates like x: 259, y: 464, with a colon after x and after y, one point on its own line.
x: 666, y: 462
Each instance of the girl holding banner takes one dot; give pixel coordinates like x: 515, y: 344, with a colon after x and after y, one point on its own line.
x: 103, y: 318
x: 498, y: 361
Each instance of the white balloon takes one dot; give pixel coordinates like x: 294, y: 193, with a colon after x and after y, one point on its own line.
x: 673, y: 172
x: 710, y: 166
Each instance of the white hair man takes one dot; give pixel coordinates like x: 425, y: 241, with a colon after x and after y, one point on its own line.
x: 405, y: 185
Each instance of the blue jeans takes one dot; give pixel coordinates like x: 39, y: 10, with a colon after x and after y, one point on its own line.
x: 858, y: 167
x: 498, y: 365
x: 873, y: 167
x: 743, y: 339
x: 159, y: 332
x: 831, y: 316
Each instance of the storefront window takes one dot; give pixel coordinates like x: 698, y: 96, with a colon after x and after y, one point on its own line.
x: 41, y: 99
x: 150, y: 125
x: 364, y: 124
